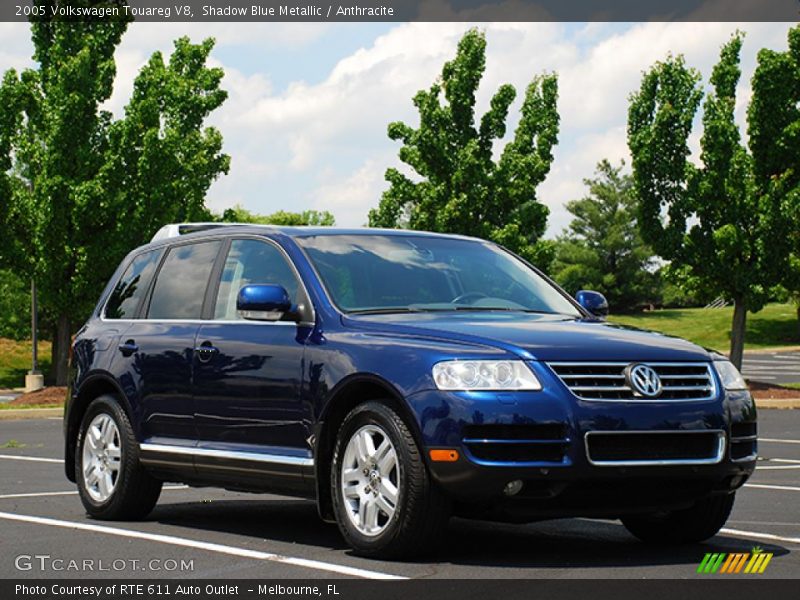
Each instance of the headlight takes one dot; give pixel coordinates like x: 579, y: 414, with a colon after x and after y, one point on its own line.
x: 465, y: 375
x: 729, y: 375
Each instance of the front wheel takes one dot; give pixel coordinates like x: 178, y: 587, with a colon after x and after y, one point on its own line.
x: 385, y: 503
x: 111, y: 482
x: 690, y: 525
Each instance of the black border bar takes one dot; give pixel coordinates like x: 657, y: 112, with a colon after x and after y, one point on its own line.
x: 242, y: 11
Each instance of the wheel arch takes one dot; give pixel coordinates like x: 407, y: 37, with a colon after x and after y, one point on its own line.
x: 93, y: 386
x: 349, y: 393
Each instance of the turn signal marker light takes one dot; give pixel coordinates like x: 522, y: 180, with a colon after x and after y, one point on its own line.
x: 444, y: 455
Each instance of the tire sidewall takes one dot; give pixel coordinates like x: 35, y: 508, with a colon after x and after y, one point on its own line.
x: 105, y: 405
x: 370, y: 414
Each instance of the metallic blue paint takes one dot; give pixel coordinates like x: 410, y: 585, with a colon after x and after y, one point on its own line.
x: 272, y: 387
x: 594, y: 302
x: 262, y: 297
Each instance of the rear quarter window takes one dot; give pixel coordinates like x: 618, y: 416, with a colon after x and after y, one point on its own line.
x: 132, y: 286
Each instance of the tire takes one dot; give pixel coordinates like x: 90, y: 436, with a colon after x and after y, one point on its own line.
x: 690, y: 525
x: 409, y: 521
x: 111, y: 482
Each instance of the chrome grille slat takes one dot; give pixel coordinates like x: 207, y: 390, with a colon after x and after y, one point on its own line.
x: 605, y: 381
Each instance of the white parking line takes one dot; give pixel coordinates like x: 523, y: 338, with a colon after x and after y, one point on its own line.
x: 760, y: 536
x: 780, y: 467
x: 764, y: 486
x: 778, y: 441
x: 32, y: 458
x: 208, y: 546
x: 36, y: 494
x: 72, y: 493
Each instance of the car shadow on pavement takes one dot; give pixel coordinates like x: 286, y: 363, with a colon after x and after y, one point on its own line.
x: 575, y: 543
x: 285, y: 520
x: 556, y: 544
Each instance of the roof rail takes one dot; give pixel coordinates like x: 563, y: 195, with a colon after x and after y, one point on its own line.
x: 178, y: 229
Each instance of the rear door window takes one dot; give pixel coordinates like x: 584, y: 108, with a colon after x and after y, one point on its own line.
x: 132, y: 286
x: 181, y: 283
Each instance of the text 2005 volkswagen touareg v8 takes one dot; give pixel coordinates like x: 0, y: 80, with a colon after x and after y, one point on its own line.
x: 397, y: 378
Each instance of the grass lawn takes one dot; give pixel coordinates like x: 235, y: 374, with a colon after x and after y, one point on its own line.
x: 774, y: 326
x: 15, y: 361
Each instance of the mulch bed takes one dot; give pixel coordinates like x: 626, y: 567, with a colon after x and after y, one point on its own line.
x: 45, y: 396
x: 767, y: 391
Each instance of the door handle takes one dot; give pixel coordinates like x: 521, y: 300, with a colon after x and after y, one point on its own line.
x: 128, y: 348
x: 205, y: 352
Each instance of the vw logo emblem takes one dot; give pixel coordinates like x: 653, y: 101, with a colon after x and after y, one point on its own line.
x: 644, y: 381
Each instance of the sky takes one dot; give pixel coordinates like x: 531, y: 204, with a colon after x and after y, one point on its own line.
x: 305, y: 121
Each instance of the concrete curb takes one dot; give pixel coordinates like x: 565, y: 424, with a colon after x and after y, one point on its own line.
x: 781, y: 403
x: 13, y: 414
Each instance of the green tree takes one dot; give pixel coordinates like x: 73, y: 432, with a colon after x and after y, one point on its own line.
x: 15, y: 302
x: 461, y: 187
x: 80, y: 189
x: 722, y: 223
x: 237, y: 214
x: 602, y: 248
x: 774, y: 132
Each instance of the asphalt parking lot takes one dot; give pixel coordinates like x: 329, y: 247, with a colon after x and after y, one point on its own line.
x: 219, y: 534
x: 772, y: 367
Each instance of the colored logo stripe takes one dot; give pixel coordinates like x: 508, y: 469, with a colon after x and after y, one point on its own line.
x: 737, y: 562
x: 734, y: 563
x: 758, y: 563
x: 711, y: 563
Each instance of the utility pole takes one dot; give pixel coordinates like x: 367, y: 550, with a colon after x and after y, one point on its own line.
x: 34, y: 380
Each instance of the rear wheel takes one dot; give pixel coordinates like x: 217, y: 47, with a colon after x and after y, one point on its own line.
x: 694, y: 524
x: 385, y: 503
x: 111, y: 482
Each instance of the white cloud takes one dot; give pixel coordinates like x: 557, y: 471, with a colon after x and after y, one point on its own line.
x: 349, y: 196
x: 320, y: 142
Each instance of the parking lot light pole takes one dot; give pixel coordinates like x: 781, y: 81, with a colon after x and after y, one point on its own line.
x: 34, y: 380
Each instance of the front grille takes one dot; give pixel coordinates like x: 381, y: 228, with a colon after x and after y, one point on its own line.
x: 517, y: 443
x: 606, y: 381
x: 649, y: 447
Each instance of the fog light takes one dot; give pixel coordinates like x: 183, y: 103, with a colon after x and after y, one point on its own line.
x: 513, y: 488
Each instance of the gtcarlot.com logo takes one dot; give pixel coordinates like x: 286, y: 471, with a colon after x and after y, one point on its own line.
x: 46, y: 562
x: 754, y: 562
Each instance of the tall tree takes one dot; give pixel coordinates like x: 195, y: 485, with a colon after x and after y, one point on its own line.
x: 462, y: 188
x: 774, y: 133
x: 238, y: 214
x: 602, y: 248
x: 717, y: 222
x: 80, y: 189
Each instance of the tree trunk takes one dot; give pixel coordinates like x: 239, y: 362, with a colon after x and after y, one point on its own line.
x: 798, y: 320
x: 60, y: 354
x: 737, y: 332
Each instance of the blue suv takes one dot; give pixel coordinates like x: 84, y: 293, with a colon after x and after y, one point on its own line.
x: 396, y: 378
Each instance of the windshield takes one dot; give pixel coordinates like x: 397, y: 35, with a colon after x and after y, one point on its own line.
x: 397, y: 273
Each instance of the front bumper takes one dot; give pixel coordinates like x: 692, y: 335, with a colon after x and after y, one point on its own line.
x: 561, y: 477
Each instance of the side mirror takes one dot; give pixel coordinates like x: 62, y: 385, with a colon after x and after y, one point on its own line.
x: 594, y: 302
x: 263, y: 302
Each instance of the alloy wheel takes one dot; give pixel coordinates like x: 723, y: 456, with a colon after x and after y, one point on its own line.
x: 370, y: 480
x: 102, y: 455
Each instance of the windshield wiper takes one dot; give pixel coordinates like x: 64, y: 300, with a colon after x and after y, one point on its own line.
x: 507, y: 309
x: 384, y: 311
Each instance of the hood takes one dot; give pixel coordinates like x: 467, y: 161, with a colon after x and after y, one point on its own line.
x: 537, y: 337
